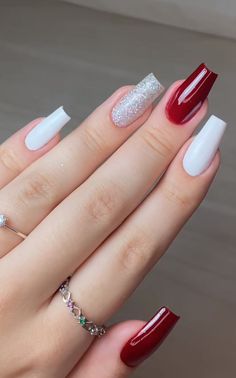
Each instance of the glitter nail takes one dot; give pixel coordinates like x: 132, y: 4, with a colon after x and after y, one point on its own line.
x: 135, y: 102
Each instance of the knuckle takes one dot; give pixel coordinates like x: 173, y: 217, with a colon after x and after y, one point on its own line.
x: 157, y: 140
x: 49, y: 353
x: 42, y: 357
x: 36, y: 186
x: 38, y: 361
x: 10, y: 160
x: 135, y: 253
x: 7, y: 299
x: 176, y: 195
x: 93, y: 139
x: 45, y: 358
x: 104, y: 202
x: 4, y: 301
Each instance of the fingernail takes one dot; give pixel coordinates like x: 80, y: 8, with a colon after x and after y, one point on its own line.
x: 202, y: 150
x: 149, y: 338
x: 135, y: 102
x: 47, y: 129
x: 190, y: 96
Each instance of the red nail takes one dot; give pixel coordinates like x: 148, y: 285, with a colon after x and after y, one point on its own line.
x: 189, y: 97
x: 149, y: 338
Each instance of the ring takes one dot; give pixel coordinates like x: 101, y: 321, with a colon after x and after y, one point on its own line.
x: 75, y: 309
x: 3, y: 223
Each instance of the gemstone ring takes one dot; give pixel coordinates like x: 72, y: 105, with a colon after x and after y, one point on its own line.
x: 76, y: 311
x: 3, y: 223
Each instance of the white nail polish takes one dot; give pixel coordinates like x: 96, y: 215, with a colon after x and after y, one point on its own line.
x: 136, y: 101
x: 47, y: 129
x: 202, y: 150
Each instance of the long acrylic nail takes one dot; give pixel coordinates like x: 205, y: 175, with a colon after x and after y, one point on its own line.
x: 202, y: 150
x: 47, y: 129
x: 189, y: 97
x: 135, y: 102
x: 149, y: 338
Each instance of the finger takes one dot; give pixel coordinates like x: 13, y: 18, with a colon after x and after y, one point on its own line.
x: 98, y: 206
x: 48, y: 181
x: 15, y: 156
x: 103, y: 357
x: 125, y: 346
x: 138, y: 244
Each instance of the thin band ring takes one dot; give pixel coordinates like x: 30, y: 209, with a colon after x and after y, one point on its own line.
x: 3, y: 223
x: 75, y: 309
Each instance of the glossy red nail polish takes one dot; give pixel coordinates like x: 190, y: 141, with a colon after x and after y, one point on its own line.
x: 189, y: 97
x: 149, y: 338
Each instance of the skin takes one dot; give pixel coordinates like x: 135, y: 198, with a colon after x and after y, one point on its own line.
x: 87, y: 207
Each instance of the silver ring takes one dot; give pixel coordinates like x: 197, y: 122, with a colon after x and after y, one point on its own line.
x: 3, y: 223
x: 76, y: 311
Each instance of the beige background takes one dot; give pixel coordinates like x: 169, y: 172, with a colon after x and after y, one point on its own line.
x: 54, y: 53
x: 211, y: 16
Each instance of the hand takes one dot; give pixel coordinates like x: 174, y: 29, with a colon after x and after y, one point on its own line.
x: 87, y: 207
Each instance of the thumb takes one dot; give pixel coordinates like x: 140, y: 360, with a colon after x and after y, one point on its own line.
x: 125, y: 346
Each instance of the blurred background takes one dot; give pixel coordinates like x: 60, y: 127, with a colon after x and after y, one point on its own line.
x: 56, y: 53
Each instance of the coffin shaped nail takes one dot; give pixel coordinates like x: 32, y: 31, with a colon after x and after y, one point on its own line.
x: 41, y: 134
x: 191, y: 94
x: 202, y: 150
x: 135, y: 102
x: 149, y: 338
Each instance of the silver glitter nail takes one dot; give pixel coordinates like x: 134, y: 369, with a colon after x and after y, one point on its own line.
x: 134, y: 104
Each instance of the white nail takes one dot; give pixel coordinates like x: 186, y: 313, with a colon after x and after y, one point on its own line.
x: 135, y: 102
x: 47, y: 129
x: 202, y: 150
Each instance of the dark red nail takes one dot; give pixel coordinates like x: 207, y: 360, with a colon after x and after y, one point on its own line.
x: 189, y: 97
x: 149, y: 338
